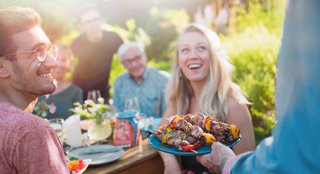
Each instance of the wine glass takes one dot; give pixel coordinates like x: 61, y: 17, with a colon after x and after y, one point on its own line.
x: 94, y: 95
x: 132, y: 105
x: 149, y: 122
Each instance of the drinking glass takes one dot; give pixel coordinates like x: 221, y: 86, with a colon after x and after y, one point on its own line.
x: 149, y: 123
x: 142, y: 120
x: 132, y: 105
x: 57, y: 125
x: 94, y: 95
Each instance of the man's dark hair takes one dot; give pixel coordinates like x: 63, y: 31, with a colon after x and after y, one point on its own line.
x: 84, y: 9
x: 14, y: 20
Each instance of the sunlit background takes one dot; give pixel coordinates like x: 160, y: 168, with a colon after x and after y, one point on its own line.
x: 250, y: 34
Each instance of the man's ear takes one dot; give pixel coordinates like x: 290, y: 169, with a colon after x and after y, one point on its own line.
x: 4, y: 71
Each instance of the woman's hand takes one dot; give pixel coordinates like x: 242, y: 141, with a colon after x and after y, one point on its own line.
x: 215, y: 160
x: 170, y: 162
x: 170, y: 168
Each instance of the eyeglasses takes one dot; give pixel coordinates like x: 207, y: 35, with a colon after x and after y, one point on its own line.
x: 41, y: 53
x: 90, y: 21
x: 134, y: 59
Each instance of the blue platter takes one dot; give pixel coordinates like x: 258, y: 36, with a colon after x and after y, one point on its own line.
x: 157, y: 144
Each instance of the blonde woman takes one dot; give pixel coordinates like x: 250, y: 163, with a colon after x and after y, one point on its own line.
x: 201, y: 82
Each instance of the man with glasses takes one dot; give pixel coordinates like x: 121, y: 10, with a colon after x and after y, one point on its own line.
x: 148, y: 85
x: 27, y: 143
x: 94, y: 49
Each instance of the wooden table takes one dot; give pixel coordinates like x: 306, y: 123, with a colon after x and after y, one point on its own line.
x: 140, y: 160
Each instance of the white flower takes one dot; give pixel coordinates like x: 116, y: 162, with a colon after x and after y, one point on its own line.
x: 92, y: 110
x: 101, y: 100
x: 52, y: 108
x: 87, y: 102
x: 77, y: 109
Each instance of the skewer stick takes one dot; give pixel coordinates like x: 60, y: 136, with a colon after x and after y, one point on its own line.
x: 194, y: 151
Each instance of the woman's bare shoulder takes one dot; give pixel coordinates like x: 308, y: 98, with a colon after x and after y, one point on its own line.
x: 233, y: 103
x: 236, y: 109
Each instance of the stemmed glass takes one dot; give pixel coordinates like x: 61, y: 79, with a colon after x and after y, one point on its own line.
x: 94, y: 95
x: 132, y: 105
x: 57, y: 125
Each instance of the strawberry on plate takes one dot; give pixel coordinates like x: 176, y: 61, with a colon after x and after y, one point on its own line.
x: 78, y: 166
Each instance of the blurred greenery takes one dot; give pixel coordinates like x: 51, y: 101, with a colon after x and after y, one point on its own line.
x: 252, y: 44
x: 253, y: 54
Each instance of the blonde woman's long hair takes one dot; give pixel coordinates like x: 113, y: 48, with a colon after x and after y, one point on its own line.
x: 219, y: 86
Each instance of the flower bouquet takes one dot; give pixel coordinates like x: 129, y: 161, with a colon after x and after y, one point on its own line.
x: 100, y: 113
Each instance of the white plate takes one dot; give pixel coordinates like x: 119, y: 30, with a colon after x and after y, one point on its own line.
x: 97, y: 158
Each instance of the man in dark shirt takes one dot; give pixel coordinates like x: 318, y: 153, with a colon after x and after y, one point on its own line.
x: 94, y: 49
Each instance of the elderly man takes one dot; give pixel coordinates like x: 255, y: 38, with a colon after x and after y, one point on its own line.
x: 27, y: 143
x: 148, y: 85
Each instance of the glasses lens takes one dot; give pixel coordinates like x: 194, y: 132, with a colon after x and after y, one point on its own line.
x: 43, y: 52
x: 135, y: 59
x: 53, y: 52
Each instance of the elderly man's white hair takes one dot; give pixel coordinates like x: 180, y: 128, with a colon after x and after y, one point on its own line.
x: 127, y: 45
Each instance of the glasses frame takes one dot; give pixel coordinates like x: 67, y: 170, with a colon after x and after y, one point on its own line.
x: 136, y: 58
x: 52, y: 51
x: 91, y: 21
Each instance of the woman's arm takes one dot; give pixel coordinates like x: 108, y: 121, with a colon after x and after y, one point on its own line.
x: 239, y: 115
x: 171, y: 164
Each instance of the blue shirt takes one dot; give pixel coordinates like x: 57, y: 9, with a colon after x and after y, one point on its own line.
x: 150, y: 92
x: 295, y: 144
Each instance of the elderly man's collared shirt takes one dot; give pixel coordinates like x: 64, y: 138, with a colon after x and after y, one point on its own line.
x: 150, y: 92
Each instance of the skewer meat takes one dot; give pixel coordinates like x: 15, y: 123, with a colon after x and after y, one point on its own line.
x: 188, y: 133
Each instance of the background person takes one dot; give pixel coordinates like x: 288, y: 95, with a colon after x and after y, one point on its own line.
x: 201, y: 82
x: 94, y: 49
x: 141, y: 81
x: 28, y: 144
x: 293, y: 146
x: 66, y: 93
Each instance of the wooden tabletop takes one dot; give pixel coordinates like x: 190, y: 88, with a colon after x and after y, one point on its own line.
x: 142, y: 159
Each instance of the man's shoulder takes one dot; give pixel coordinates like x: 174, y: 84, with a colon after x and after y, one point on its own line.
x: 12, y: 118
x: 75, y: 88
x: 110, y: 33
x: 113, y: 36
x: 9, y: 110
x: 17, y: 117
x: 122, y: 78
x: 77, y: 41
x: 159, y: 74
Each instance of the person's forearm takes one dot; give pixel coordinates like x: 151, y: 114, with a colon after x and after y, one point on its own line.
x: 170, y: 163
x: 226, y: 168
x: 168, y: 158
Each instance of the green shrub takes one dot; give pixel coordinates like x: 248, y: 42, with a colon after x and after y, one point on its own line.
x: 254, y: 54
x: 270, y: 16
x: 164, y: 65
